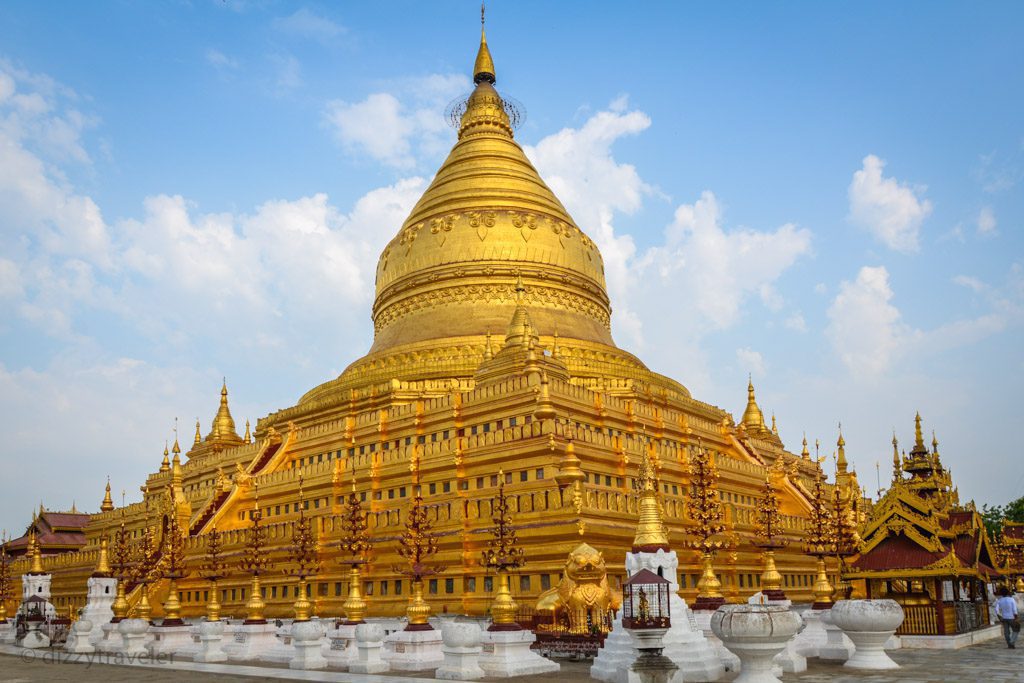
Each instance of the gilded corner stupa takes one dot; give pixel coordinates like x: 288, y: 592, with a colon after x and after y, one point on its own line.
x: 492, y: 358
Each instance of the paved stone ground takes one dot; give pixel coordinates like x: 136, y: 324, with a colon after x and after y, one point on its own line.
x: 990, y: 662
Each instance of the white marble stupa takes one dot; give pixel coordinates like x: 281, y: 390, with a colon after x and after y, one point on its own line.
x: 684, y: 644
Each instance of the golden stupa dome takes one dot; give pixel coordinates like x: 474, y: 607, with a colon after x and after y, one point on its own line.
x: 487, y: 235
x: 486, y: 219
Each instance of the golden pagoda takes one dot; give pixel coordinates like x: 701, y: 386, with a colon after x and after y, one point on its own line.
x: 492, y: 362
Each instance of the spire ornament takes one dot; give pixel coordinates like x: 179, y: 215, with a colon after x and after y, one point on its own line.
x: 172, y: 561
x: 108, y: 504
x: 503, y: 555
x: 650, y: 528
x: 213, y: 569
x: 820, y: 540
x: 705, y: 509
x: 255, y: 562
x: 304, y: 558
x: 416, y: 545
x: 355, y: 542
x: 768, y: 525
x: 121, y: 567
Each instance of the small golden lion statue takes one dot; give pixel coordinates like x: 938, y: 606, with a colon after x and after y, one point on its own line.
x: 582, y: 601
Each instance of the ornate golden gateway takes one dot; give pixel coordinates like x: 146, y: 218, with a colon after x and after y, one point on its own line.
x: 492, y: 359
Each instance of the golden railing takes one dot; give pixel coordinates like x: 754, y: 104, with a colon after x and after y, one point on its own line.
x: 918, y: 620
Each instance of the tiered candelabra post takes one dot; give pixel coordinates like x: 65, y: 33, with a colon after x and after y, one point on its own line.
x: 847, y: 539
x: 122, y: 570
x: 213, y: 569
x: 304, y: 558
x: 820, y: 540
x: 172, y: 564
x: 5, y: 578
x: 255, y: 562
x: 705, y: 509
x: 502, y: 555
x: 416, y: 545
x: 143, y: 567
x: 768, y: 523
x: 355, y: 543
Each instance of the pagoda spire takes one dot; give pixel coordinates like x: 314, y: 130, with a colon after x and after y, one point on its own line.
x: 841, y: 464
x: 520, y: 329
x: 650, y: 528
x: 805, y: 454
x: 199, y: 436
x: 165, y: 465
x: 753, y: 418
x: 223, y: 423
x: 918, y: 438
x: 248, y: 434
x: 108, y: 504
x: 483, y: 67
x: 775, y: 429
x: 897, y: 465
x: 103, y: 565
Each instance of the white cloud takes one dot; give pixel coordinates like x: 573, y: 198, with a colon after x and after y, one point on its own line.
x: 986, y: 221
x: 890, y: 210
x: 286, y: 73
x: 751, y: 361
x: 305, y: 24
x: 400, y: 129
x: 219, y: 60
x: 865, y: 329
x: 796, y: 322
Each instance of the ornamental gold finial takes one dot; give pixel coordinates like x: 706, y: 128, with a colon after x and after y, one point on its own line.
x: 165, y: 465
x: 650, y: 528
x: 935, y: 443
x: 103, y: 565
x: 918, y: 438
x: 248, y: 435
x: 775, y: 429
x: 108, y: 504
x: 841, y: 464
x: 753, y: 418
x: 199, y: 436
x: 805, y: 454
x: 483, y: 68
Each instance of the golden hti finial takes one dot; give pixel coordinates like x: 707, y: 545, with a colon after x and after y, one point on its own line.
x: 935, y: 444
x: 650, y: 527
x: 199, y: 435
x: 775, y: 429
x: 753, y: 418
x: 488, y: 352
x: 165, y: 465
x: 897, y: 465
x: 503, y: 555
x: 483, y: 67
x: 918, y: 437
x: 805, y: 454
x: 108, y: 504
x: 841, y: 464
x: 248, y: 434
x: 35, y: 553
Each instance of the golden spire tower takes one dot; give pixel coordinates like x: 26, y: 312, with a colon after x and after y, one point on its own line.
x: 753, y: 418
x: 108, y: 504
x: 650, y: 528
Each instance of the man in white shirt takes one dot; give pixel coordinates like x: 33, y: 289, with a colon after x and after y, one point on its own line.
x: 1006, y: 610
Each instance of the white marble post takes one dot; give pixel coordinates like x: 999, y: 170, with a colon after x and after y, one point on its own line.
x: 308, y: 640
x: 247, y: 642
x: 134, y: 634
x: 100, y: 594
x: 78, y: 639
x: 369, y: 642
x: 211, y: 635
x: 413, y: 650
x: 341, y: 649
x: 461, y: 651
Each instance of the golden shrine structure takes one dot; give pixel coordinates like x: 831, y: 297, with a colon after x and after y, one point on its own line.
x: 925, y: 550
x: 492, y: 364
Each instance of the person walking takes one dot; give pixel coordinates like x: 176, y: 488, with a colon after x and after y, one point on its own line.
x: 1006, y: 610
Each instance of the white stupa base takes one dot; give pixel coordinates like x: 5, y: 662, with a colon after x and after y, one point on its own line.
x: 728, y: 660
x: 78, y: 639
x: 685, y: 643
x: 34, y: 638
x: 134, y: 636
x: 170, y: 640
x: 413, y: 650
x: 506, y: 654
x: 211, y: 643
x: 341, y: 646
x: 308, y: 642
x: 247, y: 642
x: 111, y: 639
x: 369, y: 644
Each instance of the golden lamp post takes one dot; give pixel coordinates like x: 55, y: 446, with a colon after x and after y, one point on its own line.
x: 847, y: 539
x: 304, y: 557
x: 172, y: 565
x: 256, y: 561
x: 213, y: 569
x: 416, y: 545
x: 768, y: 523
x: 820, y: 540
x: 502, y: 556
x: 121, y: 568
x: 5, y: 578
x: 355, y: 543
x: 705, y: 509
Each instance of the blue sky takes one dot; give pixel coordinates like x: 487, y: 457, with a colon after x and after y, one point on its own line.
x: 826, y: 196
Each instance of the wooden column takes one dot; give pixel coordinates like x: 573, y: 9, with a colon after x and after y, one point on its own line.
x: 940, y: 609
